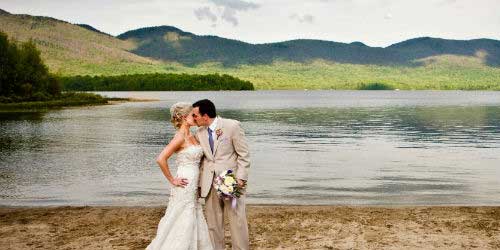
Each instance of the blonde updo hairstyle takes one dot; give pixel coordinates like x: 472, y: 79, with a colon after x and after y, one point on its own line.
x: 178, y: 111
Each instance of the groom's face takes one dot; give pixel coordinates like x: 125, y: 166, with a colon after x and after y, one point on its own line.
x: 200, y: 120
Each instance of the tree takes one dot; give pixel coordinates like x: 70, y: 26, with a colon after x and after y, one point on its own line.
x: 23, y: 75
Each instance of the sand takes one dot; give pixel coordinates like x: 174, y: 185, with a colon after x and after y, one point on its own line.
x: 271, y: 227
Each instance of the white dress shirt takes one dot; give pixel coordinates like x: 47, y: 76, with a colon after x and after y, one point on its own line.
x: 213, y: 126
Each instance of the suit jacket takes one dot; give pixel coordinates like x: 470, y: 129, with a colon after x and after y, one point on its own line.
x: 230, y: 152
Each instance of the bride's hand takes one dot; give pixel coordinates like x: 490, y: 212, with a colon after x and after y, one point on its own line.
x: 180, y: 182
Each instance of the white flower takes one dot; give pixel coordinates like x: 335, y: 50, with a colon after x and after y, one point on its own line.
x: 229, y: 181
x: 224, y: 189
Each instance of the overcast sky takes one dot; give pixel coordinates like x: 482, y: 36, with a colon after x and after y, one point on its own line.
x: 373, y: 22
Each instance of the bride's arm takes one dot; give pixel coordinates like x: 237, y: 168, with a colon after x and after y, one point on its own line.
x: 163, y: 157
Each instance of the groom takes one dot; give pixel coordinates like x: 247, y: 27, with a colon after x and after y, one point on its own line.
x: 225, y: 147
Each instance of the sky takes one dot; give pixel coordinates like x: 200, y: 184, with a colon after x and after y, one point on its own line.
x: 377, y: 23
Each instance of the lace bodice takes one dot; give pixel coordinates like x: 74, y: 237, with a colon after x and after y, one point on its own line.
x: 188, y: 167
x: 189, y: 156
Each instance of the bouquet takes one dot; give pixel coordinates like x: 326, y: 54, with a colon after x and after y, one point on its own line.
x: 227, y: 187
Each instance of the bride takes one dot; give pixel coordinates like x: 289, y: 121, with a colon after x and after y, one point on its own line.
x: 183, y: 226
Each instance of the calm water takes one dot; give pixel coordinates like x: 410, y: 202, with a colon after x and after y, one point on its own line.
x: 307, y: 147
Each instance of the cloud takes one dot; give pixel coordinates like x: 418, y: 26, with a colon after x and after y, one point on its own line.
x: 229, y: 15
x: 388, y: 16
x: 227, y: 10
x: 337, y: 1
x: 307, y: 18
x: 237, y: 5
x: 204, y: 13
x: 446, y: 2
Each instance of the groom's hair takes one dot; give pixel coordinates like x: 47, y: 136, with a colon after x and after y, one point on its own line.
x: 206, y: 107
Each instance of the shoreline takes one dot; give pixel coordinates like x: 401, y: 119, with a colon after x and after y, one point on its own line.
x: 57, y: 104
x: 270, y: 226
x: 389, y: 206
x: 117, y: 100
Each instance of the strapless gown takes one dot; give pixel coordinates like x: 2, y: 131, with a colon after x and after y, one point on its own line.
x: 183, y: 227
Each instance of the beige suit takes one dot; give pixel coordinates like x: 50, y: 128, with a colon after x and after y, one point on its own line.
x: 230, y: 152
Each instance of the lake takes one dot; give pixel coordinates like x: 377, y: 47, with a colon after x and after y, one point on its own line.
x: 307, y: 147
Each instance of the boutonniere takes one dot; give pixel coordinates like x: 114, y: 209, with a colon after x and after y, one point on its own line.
x: 218, y: 132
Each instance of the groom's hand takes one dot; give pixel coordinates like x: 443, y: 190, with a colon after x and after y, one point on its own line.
x: 241, y: 183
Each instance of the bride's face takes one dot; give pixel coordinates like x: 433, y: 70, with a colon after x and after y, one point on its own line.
x: 190, y: 119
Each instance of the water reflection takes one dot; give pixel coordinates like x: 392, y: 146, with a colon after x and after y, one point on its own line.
x: 311, y: 150
x: 462, y: 126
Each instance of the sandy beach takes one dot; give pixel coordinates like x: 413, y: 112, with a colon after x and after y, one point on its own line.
x: 271, y: 227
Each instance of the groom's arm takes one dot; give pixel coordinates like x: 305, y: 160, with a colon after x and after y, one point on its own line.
x: 241, y: 148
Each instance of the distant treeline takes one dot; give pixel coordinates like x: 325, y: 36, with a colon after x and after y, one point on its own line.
x: 155, y: 82
x: 23, y: 75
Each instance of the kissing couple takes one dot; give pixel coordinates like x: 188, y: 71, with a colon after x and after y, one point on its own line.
x: 218, y: 145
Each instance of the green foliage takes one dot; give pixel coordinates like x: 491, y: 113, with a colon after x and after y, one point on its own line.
x: 65, y: 99
x: 374, y: 86
x: 463, y: 73
x: 23, y: 75
x: 77, y: 96
x: 155, y: 82
x: 439, y: 73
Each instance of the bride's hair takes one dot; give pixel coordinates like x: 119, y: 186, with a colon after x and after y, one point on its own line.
x: 177, y: 111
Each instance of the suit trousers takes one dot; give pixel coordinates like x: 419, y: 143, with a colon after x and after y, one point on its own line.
x: 215, y: 208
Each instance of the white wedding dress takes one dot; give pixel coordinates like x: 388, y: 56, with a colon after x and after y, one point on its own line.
x: 183, y: 227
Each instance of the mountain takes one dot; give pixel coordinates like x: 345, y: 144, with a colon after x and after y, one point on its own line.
x: 68, y: 47
x: 79, y: 48
x: 172, y: 44
x: 420, y: 63
x: 86, y: 26
x: 426, y: 47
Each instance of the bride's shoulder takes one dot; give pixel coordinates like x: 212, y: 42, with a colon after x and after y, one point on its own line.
x: 178, y: 136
